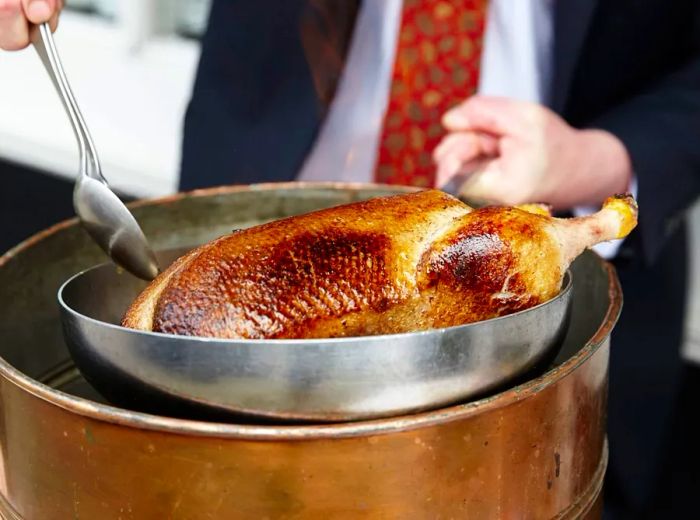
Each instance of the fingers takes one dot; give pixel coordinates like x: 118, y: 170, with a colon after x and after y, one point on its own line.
x: 457, y: 150
x: 492, y: 183
x: 494, y: 115
x: 14, y: 31
x: 39, y: 11
x: 487, y: 183
x: 468, y: 142
x: 17, y: 15
x: 53, y: 22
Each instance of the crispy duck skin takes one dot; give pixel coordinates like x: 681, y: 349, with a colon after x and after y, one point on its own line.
x: 391, y: 264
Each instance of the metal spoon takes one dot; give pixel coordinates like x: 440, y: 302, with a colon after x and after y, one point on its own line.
x: 108, y: 221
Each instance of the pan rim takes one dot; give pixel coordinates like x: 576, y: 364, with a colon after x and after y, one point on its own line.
x: 567, y: 286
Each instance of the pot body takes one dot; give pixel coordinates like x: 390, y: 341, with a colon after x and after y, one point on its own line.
x: 535, y: 450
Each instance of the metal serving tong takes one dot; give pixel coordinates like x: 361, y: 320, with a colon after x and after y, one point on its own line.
x: 105, y: 217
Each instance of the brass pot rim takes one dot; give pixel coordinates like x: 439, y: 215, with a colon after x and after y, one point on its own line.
x: 128, y: 418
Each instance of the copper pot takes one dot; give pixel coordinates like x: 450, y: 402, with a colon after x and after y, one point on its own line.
x: 536, y: 450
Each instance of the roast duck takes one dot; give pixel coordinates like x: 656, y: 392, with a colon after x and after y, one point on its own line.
x: 391, y: 264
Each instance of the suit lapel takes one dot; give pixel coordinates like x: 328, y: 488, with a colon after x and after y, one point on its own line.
x: 572, y: 20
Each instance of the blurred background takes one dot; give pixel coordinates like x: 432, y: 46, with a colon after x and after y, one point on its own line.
x: 132, y: 65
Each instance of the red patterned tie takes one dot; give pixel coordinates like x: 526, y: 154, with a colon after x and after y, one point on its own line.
x: 437, y: 66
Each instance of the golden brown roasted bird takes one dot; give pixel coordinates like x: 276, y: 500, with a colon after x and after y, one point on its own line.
x: 391, y: 264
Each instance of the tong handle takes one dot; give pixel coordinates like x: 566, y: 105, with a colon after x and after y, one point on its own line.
x: 43, y: 42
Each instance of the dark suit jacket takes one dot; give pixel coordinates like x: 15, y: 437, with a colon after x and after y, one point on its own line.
x: 628, y: 66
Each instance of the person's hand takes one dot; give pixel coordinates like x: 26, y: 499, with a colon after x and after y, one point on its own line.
x: 17, y: 15
x: 512, y: 152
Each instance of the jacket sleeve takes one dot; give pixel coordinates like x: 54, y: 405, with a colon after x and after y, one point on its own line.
x: 660, y: 128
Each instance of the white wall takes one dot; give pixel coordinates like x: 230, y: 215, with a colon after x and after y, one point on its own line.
x: 132, y: 96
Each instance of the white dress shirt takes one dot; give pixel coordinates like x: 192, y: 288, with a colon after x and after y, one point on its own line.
x: 516, y: 62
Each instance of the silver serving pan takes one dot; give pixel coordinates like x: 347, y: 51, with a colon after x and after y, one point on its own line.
x: 296, y: 380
